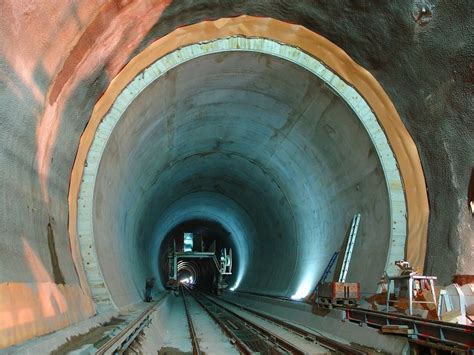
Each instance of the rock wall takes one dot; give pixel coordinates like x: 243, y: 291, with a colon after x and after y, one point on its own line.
x: 56, y: 58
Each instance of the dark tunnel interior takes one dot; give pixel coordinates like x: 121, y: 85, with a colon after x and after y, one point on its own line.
x: 207, y: 235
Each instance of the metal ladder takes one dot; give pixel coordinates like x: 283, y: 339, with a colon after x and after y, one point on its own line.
x: 349, y: 248
x: 327, y: 271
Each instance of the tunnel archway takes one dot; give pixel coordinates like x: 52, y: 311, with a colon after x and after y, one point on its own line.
x: 207, y: 235
x: 63, y: 65
x: 297, y: 281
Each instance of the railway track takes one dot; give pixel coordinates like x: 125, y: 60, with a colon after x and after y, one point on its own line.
x: 249, y: 337
x: 430, y: 334
x: 119, y: 343
x: 192, y: 331
x: 245, y: 333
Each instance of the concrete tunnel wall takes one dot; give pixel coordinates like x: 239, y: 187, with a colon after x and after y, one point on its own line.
x: 284, y: 148
x: 56, y: 59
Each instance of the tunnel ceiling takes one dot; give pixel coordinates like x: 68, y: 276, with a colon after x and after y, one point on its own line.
x: 286, y: 161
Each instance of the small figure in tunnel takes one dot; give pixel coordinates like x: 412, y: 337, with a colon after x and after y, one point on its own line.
x: 149, y: 284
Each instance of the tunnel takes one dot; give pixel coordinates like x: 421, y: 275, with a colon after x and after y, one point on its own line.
x: 281, y: 162
x: 206, y: 235
x: 261, y: 128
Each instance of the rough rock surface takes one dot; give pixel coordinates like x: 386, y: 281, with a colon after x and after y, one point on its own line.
x: 57, y: 58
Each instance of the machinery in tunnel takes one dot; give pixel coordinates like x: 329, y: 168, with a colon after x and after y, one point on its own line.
x: 181, y: 269
x: 208, y: 237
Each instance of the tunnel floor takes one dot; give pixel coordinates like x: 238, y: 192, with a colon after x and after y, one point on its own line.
x: 212, y: 340
x: 190, y: 321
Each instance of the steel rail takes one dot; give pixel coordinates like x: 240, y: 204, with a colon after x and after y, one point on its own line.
x: 431, y: 331
x: 322, y: 340
x: 243, y: 348
x: 267, y: 335
x: 119, y: 343
x: 192, y: 331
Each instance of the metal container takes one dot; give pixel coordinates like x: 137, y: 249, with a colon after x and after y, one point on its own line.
x: 338, y: 293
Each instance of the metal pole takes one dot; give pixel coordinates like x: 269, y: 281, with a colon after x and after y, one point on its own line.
x: 410, y: 296
x: 388, y: 292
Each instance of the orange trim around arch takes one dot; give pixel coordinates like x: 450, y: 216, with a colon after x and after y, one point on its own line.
x: 317, y: 46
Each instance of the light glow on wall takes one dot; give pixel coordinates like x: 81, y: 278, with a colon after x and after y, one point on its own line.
x: 305, y: 287
x: 237, y: 282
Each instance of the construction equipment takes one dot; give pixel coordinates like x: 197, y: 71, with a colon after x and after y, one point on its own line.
x: 223, y: 262
x: 339, y: 292
x: 408, y: 285
x: 349, y: 248
x: 455, y: 304
x: 327, y: 271
x: 312, y: 296
x: 332, y: 294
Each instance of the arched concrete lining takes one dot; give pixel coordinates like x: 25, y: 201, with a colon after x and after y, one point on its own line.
x: 285, y: 148
x: 99, y: 290
x: 212, y: 206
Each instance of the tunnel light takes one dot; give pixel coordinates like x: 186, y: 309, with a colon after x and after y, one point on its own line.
x: 237, y: 283
x: 188, y: 242
x: 303, y: 290
x: 187, y: 280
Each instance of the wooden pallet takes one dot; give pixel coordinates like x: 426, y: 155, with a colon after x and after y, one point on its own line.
x: 396, y: 329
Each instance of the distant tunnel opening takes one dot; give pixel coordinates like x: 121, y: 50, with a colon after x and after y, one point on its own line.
x: 256, y: 149
x: 207, y: 235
